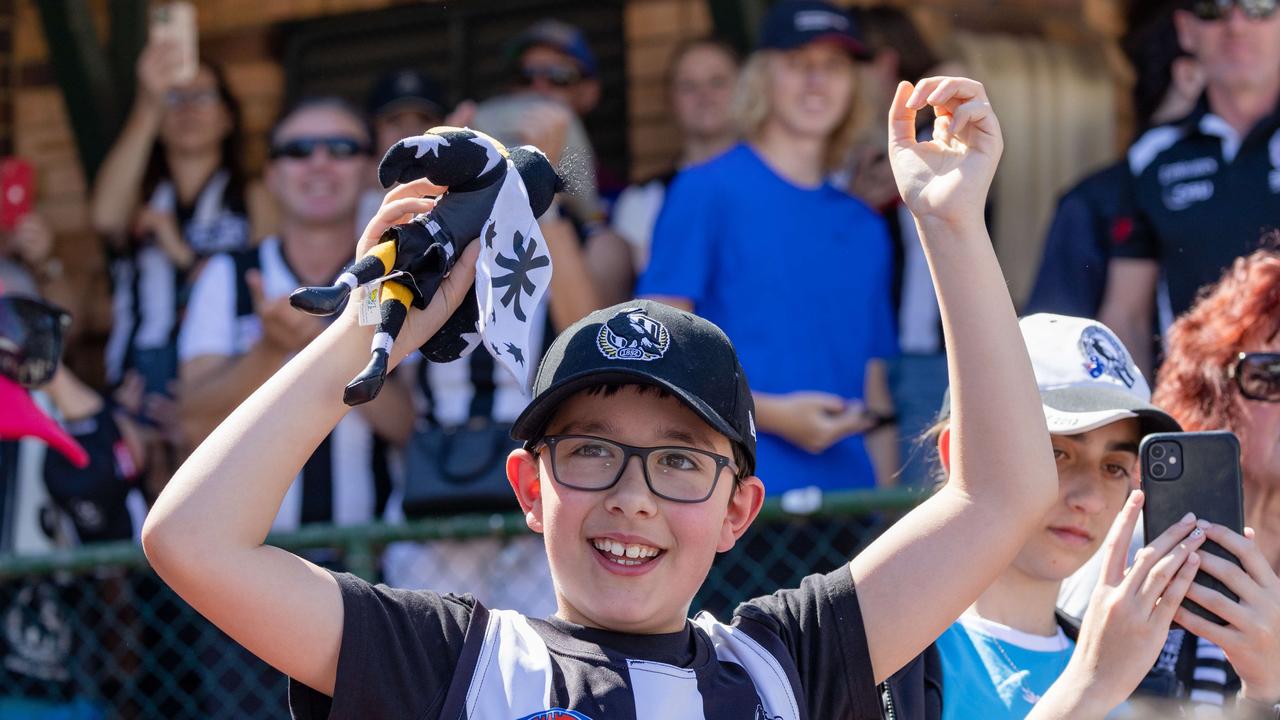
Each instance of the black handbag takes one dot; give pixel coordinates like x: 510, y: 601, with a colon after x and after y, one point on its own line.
x: 463, y: 468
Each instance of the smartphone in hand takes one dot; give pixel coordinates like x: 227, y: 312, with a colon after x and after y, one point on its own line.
x: 17, y: 191
x: 1196, y: 472
x: 175, y: 23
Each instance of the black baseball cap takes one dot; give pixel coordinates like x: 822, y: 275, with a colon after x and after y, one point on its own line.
x: 790, y: 24
x: 642, y: 342
x: 405, y: 90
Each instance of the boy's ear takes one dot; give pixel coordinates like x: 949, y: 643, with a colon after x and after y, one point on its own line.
x: 944, y: 449
x: 526, y: 481
x: 744, y: 506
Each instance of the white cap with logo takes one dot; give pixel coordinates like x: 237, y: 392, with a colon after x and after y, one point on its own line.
x: 1086, y: 377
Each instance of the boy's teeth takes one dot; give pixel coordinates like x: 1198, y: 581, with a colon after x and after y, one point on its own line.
x: 628, y: 551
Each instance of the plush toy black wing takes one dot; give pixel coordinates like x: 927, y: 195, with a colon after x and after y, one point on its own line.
x: 413, y: 259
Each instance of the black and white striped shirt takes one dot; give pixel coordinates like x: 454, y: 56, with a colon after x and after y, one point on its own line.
x: 346, y: 480
x: 148, y: 293
x: 795, y: 655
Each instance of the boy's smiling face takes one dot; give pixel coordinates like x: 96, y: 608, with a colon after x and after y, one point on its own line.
x: 649, y: 593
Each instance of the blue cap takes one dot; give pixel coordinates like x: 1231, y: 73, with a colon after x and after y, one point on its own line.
x: 791, y: 24
x: 405, y: 89
x: 561, y: 36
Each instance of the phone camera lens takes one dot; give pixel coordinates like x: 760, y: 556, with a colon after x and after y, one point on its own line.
x: 1158, y: 470
x: 1157, y: 452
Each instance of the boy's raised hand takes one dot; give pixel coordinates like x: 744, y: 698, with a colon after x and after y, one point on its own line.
x: 945, y: 178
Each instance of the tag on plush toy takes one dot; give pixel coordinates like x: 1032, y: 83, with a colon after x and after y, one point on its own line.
x: 367, y: 299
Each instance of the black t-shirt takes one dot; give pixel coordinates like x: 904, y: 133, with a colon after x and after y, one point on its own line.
x: 798, y: 654
x: 1204, y: 197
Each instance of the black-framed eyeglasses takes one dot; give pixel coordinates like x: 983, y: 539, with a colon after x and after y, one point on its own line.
x: 1257, y: 374
x: 338, y: 147
x: 556, y: 75
x: 675, y: 473
x: 31, y: 335
x: 1218, y: 9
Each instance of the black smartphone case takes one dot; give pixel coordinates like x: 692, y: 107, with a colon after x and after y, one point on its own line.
x: 1210, y: 487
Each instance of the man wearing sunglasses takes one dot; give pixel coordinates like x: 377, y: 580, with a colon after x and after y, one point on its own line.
x: 240, y: 329
x: 1206, y: 185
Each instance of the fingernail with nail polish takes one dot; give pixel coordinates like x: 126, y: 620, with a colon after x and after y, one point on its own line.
x: 1197, y: 533
x: 1188, y: 517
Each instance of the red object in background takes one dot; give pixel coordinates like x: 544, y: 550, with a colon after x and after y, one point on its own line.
x: 23, y: 418
x: 17, y: 191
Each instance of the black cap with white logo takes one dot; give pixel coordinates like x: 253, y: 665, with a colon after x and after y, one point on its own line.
x: 647, y: 343
x: 791, y: 24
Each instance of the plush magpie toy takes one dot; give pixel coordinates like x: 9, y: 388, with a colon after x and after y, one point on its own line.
x: 492, y: 191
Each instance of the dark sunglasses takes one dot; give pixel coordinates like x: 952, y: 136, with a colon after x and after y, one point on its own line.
x: 1218, y: 9
x: 304, y: 147
x: 31, y: 335
x: 1257, y: 375
x: 553, y: 74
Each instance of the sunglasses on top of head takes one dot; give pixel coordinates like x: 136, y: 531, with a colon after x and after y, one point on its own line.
x: 1219, y: 9
x: 1257, y: 374
x: 554, y: 74
x: 301, y: 148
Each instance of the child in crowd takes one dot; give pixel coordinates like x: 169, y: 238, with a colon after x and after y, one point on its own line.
x: 1012, y: 653
x: 630, y: 543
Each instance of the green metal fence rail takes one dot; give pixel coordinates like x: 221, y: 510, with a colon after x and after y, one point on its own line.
x: 93, y: 628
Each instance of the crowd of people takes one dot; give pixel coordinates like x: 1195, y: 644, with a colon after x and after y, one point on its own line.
x: 850, y: 283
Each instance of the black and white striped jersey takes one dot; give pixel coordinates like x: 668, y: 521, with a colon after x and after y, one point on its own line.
x: 798, y: 654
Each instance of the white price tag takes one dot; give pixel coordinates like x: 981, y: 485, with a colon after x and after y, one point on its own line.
x: 368, y: 298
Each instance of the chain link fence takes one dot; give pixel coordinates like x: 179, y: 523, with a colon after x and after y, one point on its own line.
x: 94, y: 633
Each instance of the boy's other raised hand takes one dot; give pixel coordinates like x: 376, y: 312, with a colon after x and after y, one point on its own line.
x: 945, y: 178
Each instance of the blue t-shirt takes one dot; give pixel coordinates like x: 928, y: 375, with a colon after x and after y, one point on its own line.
x: 799, y: 280
x: 993, y: 672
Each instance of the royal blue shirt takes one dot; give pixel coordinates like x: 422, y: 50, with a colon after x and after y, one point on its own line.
x: 799, y: 280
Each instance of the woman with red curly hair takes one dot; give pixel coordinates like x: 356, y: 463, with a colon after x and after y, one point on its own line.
x: 1222, y: 372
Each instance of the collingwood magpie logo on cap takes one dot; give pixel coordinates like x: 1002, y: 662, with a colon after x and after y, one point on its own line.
x: 1104, y: 355
x: 633, y: 335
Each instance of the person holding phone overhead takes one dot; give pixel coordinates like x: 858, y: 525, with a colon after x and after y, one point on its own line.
x: 170, y: 193
x: 1222, y: 372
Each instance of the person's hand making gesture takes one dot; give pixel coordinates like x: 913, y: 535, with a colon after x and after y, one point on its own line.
x: 945, y: 178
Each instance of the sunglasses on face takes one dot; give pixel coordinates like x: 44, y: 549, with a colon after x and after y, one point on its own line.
x: 1219, y: 9
x: 339, y: 148
x: 554, y: 75
x: 31, y: 333
x: 190, y: 98
x: 1257, y: 375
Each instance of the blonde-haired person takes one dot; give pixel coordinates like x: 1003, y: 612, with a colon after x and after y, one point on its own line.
x: 1012, y: 654
x: 735, y: 226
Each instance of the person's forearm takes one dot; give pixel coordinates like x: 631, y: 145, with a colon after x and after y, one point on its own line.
x: 999, y: 442
x: 226, y: 495
x: 206, y: 398
x: 770, y: 415
x: 882, y: 446
x: 1070, y: 699
x: 572, y: 294
x: 73, y: 399
x: 117, y: 187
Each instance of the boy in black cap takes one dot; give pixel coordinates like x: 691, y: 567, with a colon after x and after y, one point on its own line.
x: 630, y: 542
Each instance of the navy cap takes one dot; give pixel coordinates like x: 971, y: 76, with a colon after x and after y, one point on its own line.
x: 562, y: 36
x: 642, y: 342
x: 405, y: 90
x: 791, y: 24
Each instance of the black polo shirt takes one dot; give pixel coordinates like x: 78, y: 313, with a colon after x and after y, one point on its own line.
x: 1204, y: 197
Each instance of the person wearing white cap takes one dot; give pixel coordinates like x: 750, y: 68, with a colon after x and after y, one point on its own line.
x: 1012, y: 654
